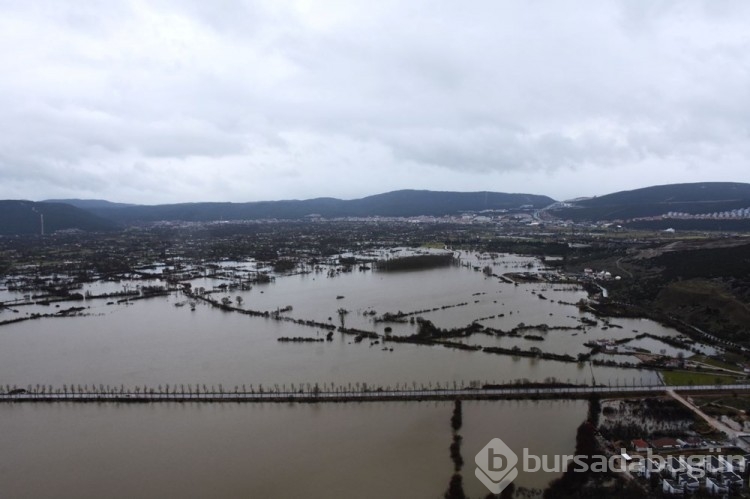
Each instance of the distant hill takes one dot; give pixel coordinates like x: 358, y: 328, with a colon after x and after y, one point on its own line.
x: 25, y: 217
x: 404, y: 203
x: 88, y: 204
x: 697, y: 198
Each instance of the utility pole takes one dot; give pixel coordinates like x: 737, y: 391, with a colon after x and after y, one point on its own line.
x: 41, y: 219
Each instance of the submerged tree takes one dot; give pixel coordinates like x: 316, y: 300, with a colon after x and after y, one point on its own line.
x: 455, y: 488
x: 342, y: 313
x: 457, y: 418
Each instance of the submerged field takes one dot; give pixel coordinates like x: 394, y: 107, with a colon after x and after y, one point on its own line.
x: 174, y: 339
x: 482, y: 319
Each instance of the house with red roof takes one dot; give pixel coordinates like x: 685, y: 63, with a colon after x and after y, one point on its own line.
x: 639, y: 445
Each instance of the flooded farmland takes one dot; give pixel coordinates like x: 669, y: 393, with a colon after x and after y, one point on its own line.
x: 258, y: 450
x: 158, y: 341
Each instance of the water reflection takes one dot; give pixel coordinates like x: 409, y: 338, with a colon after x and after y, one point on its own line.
x: 366, y: 450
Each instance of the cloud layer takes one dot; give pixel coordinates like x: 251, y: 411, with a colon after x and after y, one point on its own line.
x: 167, y: 101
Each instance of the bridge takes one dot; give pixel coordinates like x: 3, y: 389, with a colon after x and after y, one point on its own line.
x: 364, y: 395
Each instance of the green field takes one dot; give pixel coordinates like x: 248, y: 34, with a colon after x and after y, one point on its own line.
x: 716, y: 363
x: 687, y: 378
x: 738, y: 402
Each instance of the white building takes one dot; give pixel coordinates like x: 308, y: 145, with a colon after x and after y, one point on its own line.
x: 688, y: 482
x: 715, y: 488
x: 731, y: 480
x: 672, y: 488
x: 714, y: 465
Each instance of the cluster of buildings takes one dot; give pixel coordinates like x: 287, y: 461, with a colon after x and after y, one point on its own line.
x: 602, y: 275
x: 668, y: 444
x: 718, y: 475
x: 733, y: 214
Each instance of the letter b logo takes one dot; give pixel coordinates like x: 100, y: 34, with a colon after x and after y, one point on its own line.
x: 496, y: 465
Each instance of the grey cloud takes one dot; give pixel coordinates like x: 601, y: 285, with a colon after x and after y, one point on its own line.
x: 113, y: 97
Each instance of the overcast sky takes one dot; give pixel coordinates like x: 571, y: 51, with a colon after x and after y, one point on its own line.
x: 158, y: 101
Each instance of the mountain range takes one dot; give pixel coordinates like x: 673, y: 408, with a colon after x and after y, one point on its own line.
x: 25, y: 217
x: 698, y: 198
x: 29, y: 217
x: 404, y: 203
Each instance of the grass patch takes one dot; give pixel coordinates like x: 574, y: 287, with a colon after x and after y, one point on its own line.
x: 713, y: 362
x: 718, y: 410
x: 687, y: 378
x: 741, y: 403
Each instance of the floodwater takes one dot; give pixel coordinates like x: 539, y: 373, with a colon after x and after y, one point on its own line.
x: 364, y: 450
x: 267, y: 450
x: 154, y: 342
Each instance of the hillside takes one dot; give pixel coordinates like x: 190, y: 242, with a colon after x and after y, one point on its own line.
x: 24, y: 217
x: 702, y: 282
x: 639, y: 208
x: 694, y: 199
x: 88, y: 204
x: 392, y: 204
